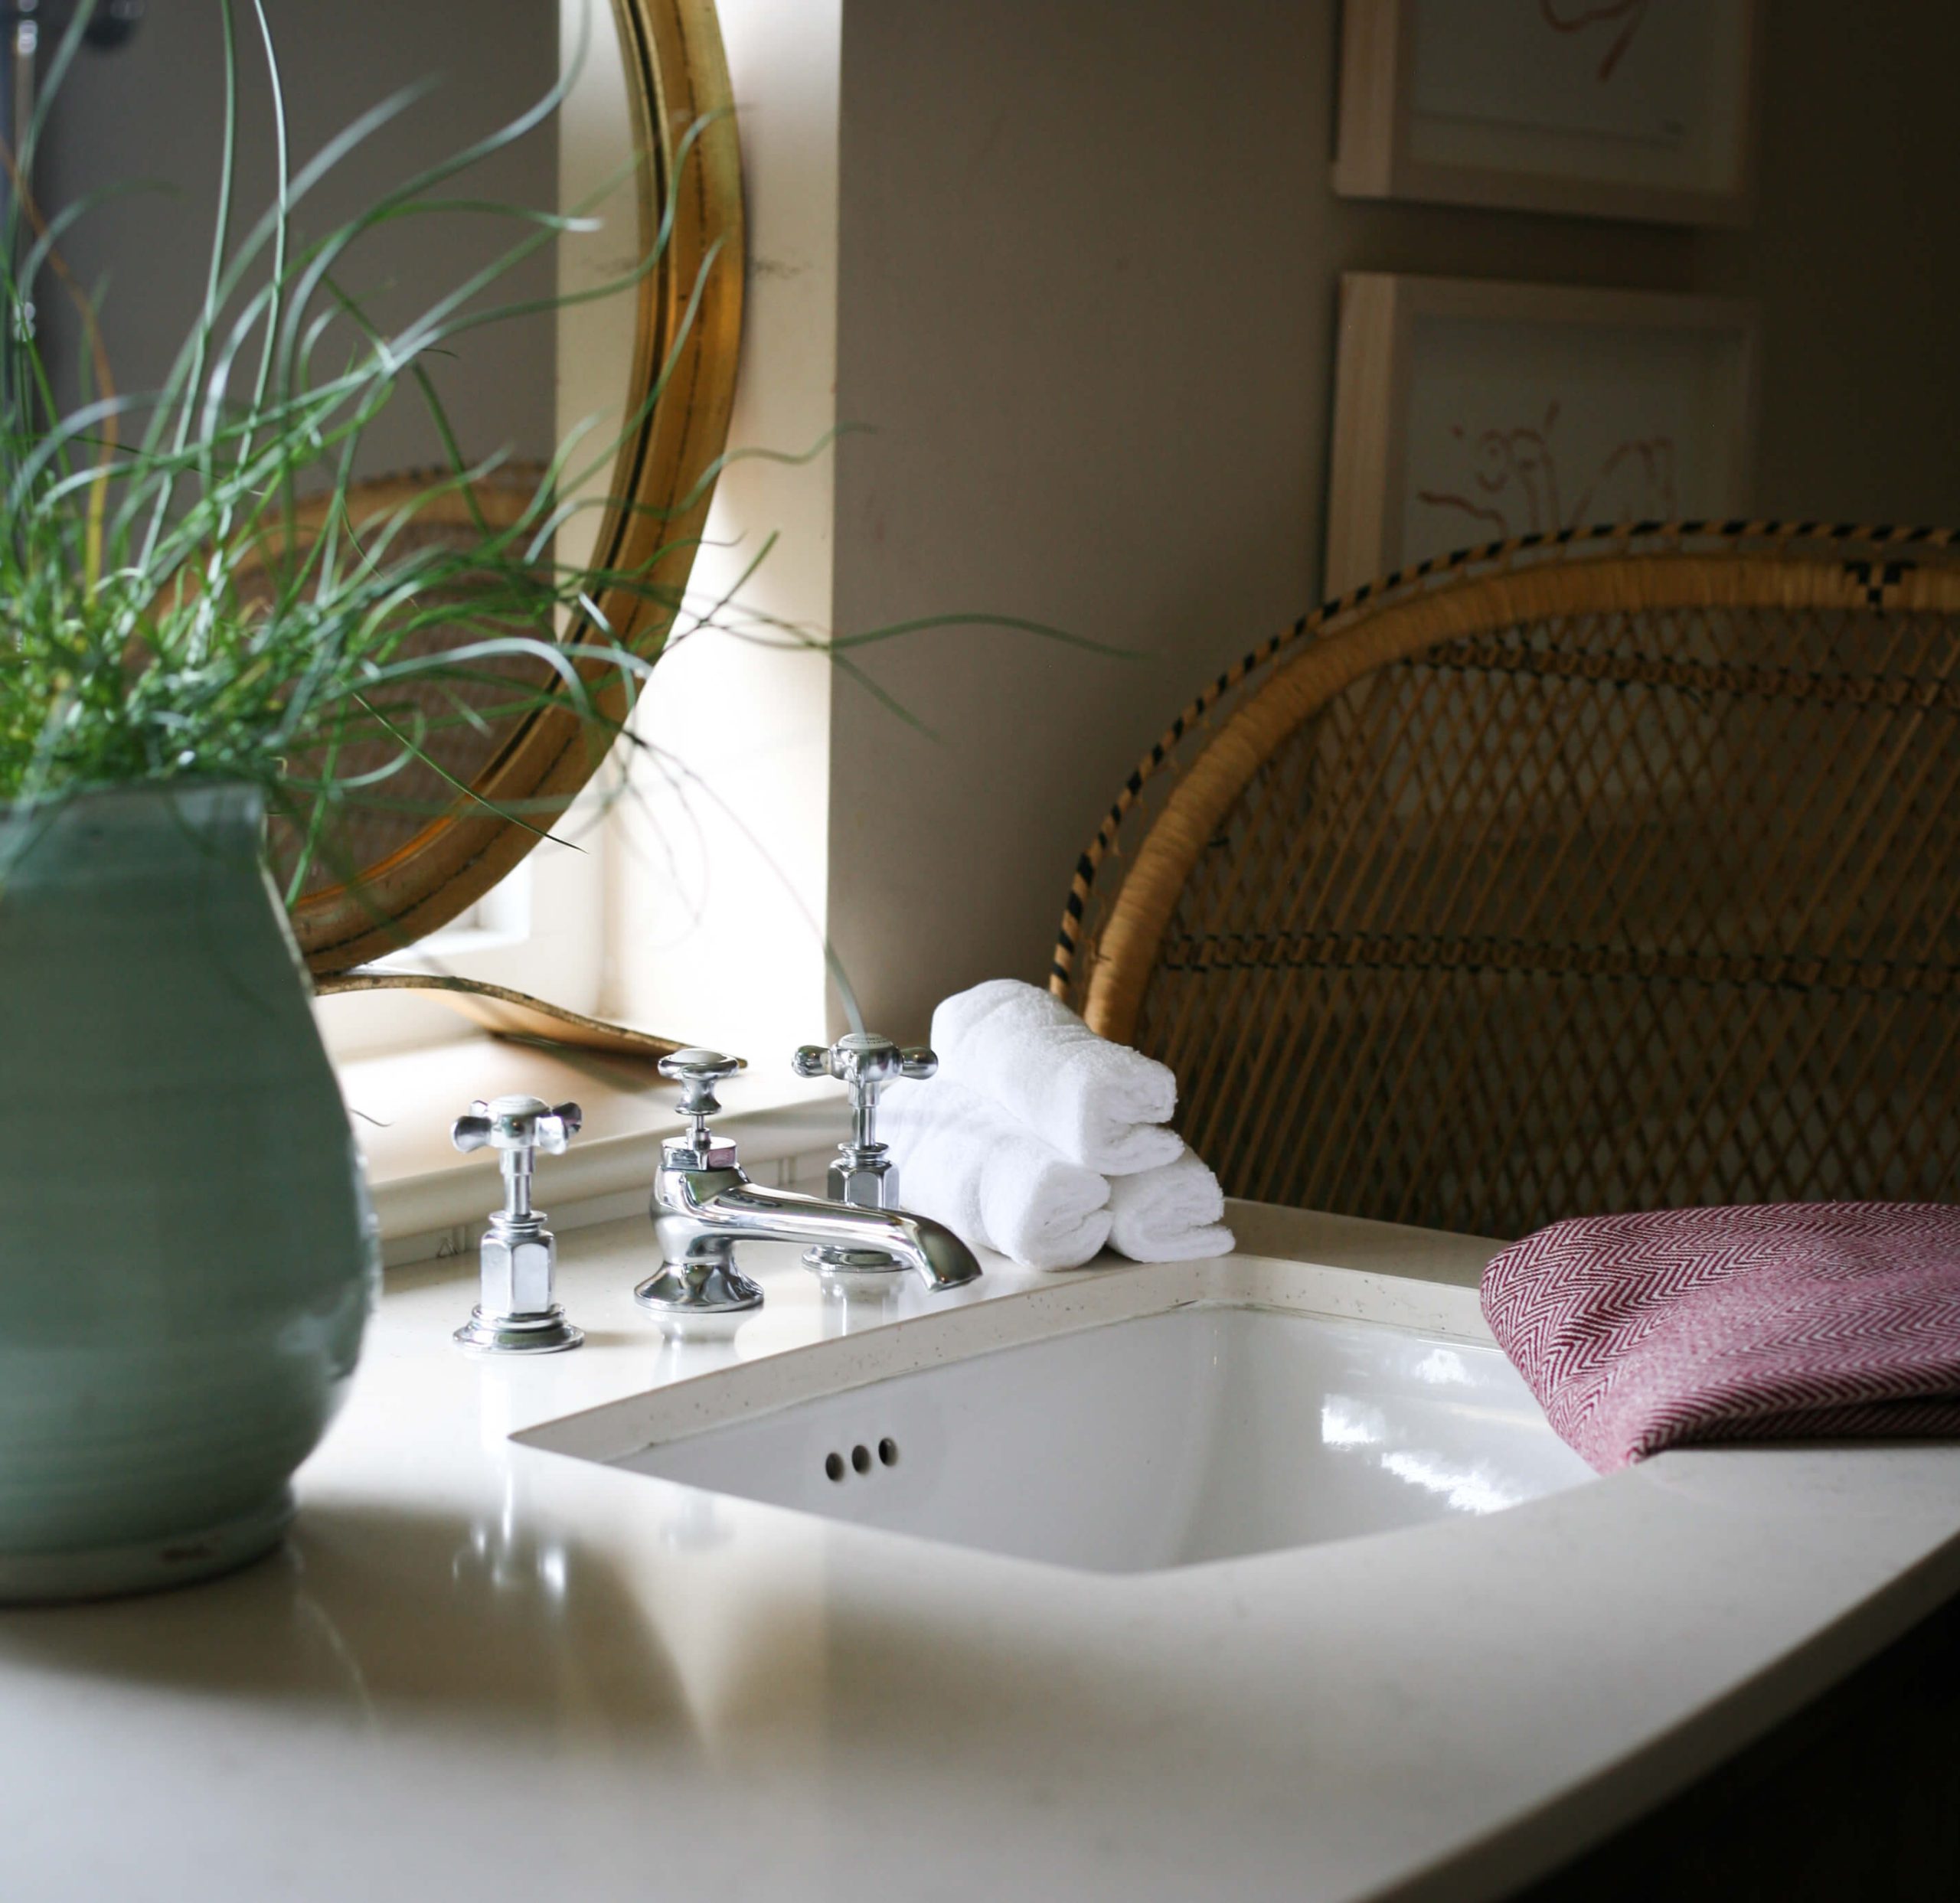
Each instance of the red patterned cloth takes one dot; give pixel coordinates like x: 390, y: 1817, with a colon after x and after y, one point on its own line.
x: 1778, y: 1322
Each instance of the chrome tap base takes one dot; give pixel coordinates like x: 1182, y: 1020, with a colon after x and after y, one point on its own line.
x: 826, y: 1259
x: 549, y: 1334
x: 869, y: 1277
x: 698, y: 1292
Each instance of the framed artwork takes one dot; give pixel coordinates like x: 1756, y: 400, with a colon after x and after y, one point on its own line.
x: 1467, y: 410
x: 1610, y: 109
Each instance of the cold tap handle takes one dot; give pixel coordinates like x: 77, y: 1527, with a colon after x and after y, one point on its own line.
x: 864, y: 1062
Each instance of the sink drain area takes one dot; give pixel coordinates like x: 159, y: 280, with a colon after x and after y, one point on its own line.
x: 860, y: 1460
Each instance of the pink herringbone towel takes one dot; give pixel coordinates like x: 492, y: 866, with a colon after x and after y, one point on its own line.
x: 1783, y: 1322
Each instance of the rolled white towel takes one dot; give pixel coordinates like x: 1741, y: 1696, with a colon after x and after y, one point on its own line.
x: 1101, y: 1104
x: 965, y: 1162
x: 1169, y: 1214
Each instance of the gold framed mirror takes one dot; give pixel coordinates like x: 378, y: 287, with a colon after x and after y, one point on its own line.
x: 414, y: 873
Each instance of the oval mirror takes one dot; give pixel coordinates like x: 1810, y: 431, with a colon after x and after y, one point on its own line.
x: 643, y: 146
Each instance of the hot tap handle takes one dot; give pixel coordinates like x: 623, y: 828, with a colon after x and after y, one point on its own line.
x: 519, y: 1124
x: 697, y: 1072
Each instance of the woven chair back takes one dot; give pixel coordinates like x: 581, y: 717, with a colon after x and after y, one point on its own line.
x: 1616, y: 873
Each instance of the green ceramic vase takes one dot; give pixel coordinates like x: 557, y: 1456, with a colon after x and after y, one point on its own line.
x: 186, y: 1253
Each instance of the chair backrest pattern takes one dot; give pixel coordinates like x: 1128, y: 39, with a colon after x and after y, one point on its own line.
x: 1623, y: 874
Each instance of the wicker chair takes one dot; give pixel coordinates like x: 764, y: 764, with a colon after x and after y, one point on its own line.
x: 1611, y: 870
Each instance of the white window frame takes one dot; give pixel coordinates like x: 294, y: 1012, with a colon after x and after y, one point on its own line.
x: 542, y: 930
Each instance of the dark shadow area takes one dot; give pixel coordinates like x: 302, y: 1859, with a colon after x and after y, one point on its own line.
x: 1857, y: 1800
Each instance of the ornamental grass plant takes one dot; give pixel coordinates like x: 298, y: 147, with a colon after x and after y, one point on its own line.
x: 166, y: 619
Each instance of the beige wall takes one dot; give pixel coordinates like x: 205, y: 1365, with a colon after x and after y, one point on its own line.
x: 1854, y: 252
x: 1087, y: 272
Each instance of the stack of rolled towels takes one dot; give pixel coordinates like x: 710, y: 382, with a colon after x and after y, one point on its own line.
x: 1046, y: 1143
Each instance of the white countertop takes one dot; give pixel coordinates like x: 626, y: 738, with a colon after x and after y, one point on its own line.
x: 481, y: 1671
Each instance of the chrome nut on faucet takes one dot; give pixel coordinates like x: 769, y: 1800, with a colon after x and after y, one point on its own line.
x: 864, y: 1174
x: 703, y: 1206
x: 516, y: 1313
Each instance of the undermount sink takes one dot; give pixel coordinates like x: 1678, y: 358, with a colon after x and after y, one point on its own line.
x: 1224, y: 1424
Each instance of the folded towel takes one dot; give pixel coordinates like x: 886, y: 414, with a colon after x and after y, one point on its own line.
x: 1099, y: 1104
x: 1788, y: 1321
x: 1169, y: 1214
x: 965, y: 1162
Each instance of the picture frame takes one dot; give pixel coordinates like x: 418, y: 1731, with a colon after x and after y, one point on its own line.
x: 1610, y: 109
x: 1471, y: 410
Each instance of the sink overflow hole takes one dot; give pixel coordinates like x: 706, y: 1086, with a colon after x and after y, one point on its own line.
x: 835, y: 1464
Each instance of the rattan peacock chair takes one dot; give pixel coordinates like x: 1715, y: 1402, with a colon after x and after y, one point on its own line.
x: 1614, y: 870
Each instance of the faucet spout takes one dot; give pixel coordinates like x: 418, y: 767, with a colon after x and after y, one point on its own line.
x: 750, y: 1213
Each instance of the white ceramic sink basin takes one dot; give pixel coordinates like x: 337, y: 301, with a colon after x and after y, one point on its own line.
x: 1208, y: 1430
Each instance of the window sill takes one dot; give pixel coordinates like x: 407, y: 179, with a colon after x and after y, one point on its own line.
x: 431, y: 1200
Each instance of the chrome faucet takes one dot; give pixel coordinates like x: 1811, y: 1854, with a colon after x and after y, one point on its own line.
x: 863, y: 1174
x: 704, y: 1204
x: 517, y: 1311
